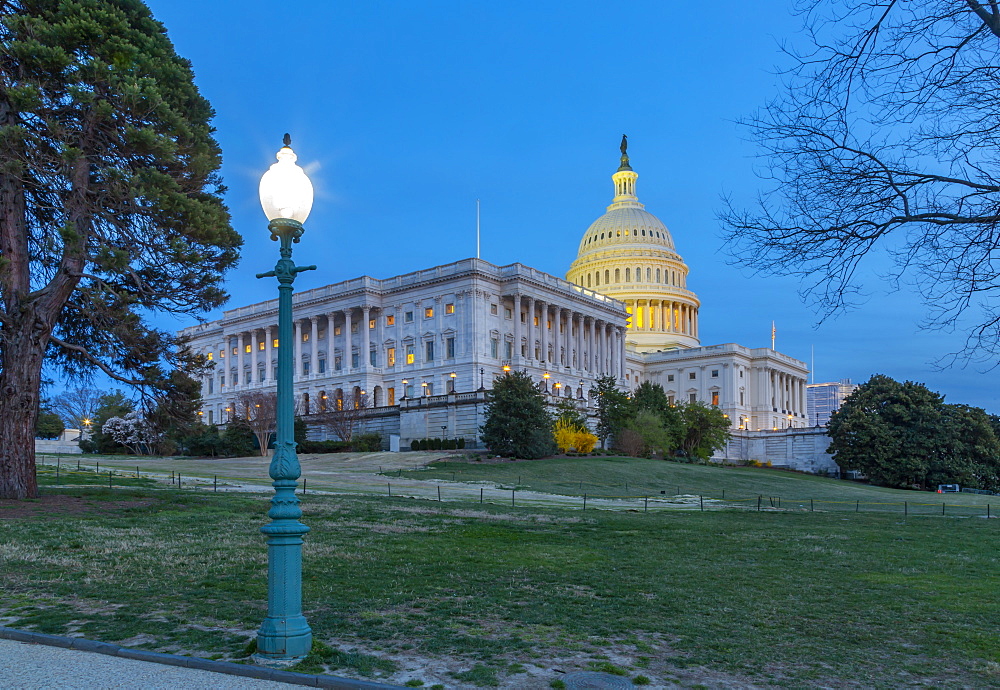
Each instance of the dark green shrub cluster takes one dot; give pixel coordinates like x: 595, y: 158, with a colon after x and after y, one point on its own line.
x: 437, y: 444
x: 324, y: 447
x: 366, y: 443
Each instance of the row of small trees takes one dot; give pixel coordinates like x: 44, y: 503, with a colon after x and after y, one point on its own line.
x: 519, y: 426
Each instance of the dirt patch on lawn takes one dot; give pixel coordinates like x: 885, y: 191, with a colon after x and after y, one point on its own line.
x: 59, y: 504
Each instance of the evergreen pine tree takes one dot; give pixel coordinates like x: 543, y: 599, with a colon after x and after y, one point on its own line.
x: 517, y: 424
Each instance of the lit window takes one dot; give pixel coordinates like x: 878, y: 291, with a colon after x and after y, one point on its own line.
x: 249, y: 349
x: 261, y: 344
x: 305, y: 337
x: 493, y: 309
x: 670, y: 400
x: 449, y: 309
x: 390, y: 358
x: 715, y: 398
x: 536, y: 320
x: 222, y: 354
x: 336, y: 330
x: 408, y: 316
x: 390, y: 396
x: 371, y: 324
x: 715, y: 373
x: 235, y: 350
x: 390, y: 320
x: 274, y: 343
x: 210, y: 356
x: 409, y: 354
x: 428, y: 312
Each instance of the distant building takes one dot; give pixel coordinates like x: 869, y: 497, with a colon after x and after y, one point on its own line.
x: 823, y: 399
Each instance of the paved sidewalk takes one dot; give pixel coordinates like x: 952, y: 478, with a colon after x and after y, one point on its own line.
x: 35, y: 667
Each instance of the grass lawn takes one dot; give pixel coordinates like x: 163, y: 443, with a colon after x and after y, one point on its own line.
x: 463, y: 595
x: 614, y: 476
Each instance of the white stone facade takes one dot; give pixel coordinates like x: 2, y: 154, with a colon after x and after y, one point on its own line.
x: 423, y: 334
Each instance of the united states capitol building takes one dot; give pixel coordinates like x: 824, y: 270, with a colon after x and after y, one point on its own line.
x: 422, y: 349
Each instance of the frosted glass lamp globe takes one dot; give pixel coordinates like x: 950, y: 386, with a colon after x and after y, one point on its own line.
x: 285, y: 190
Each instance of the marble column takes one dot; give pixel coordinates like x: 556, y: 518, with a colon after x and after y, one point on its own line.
x: 531, y: 328
x: 331, y: 344
x: 268, y: 354
x: 517, y: 329
x: 314, y: 346
x: 239, y: 359
x: 366, y: 338
x: 348, y: 341
x: 543, y: 324
x: 297, y: 369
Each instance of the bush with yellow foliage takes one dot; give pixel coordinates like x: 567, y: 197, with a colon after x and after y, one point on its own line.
x: 570, y: 436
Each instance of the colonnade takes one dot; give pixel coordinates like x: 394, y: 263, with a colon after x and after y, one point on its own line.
x: 663, y: 316
x: 786, y: 394
x: 566, y: 338
x: 255, y: 347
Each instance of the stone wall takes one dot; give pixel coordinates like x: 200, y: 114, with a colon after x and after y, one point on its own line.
x: 797, y: 449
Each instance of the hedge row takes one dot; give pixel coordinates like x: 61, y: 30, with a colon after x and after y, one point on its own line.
x: 437, y: 444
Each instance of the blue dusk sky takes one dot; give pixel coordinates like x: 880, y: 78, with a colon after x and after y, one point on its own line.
x: 404, y: 113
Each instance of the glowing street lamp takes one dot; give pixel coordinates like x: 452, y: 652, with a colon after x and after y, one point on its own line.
x: 286, y: 196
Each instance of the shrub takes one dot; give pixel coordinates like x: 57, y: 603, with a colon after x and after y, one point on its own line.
x: 366, y: 443
x: 414, y: 444
x: 423, y: 444
x: 461, y: 443
x: 435, y: 444
x: 324, y: 447
x: 584, y: 441
x: 564, y: 433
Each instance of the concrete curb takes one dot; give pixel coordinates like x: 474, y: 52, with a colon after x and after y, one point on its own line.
x: 245, y: 670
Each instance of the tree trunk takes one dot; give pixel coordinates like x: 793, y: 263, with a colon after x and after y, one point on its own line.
x: 20, y: 379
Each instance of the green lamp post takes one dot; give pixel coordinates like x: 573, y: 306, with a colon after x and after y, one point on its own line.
x: 286, y: 196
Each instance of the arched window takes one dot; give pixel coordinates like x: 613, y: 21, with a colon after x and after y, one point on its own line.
x: 627, y: 277
x: 589, y: 280
x: 322, y: 401
x: 635, y: 231
x: 357, y: 397
x: 339, y: 399
x: 618, y: 275
x: 657, y: 275
x: 377, y: 396
x: 607, y: 276
x: 644, y: 232
x: 649, y: 275
x: 597, y: 278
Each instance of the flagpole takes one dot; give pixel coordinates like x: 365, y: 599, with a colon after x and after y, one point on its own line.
x: 477, y: 228
x: 773, y: 333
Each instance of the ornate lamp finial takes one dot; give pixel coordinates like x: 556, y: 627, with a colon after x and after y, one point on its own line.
x: 624, y: 148
x: 288, y: 139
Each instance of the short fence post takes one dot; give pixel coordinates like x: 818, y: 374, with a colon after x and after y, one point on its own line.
x: 906, y: 509
x: 389, y: 487
x: 215, y: 482
x: 811, y: 505
x: 178, y: 480
x: 136, y: 471
x: 987, y: 510
x: 758, y: 502
x: 779, y: 501
x: 678, y: 491
x: 857, y: 508
x: 645, y: 504
x: 512, y: 498
x: 723, y: 494
x: 304, y: 480
x: 110, y: 474
x: 942, y: 508
x: 78, y: 465
x: 585, y: 501
x: 701, y: 502
x: 439, y: 492
x: 58, y: 463
x: 98, y: 468
x: 480, y: 495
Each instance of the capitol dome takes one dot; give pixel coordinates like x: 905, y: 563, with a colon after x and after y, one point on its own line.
x: 629, y: 254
